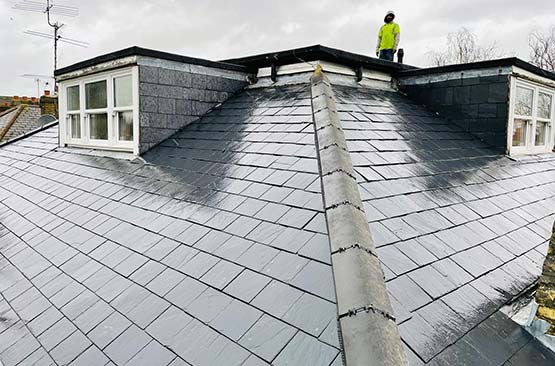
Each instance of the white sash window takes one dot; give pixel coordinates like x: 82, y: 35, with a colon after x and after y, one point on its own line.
x: 531, y: 118
x: 101, y: 111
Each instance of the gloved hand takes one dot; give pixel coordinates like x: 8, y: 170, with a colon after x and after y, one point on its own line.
x: 377, y: 53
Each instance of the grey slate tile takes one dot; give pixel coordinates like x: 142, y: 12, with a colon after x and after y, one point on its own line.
x: 167, y: 326
x: 395, y: 260
x: 92, y: 316
x: 91, y: 356
x: 316, y: 278
x: 255, y: 361
x: 476, y: 261
x: 56, y: 334
x: 284, y: 266
x: 146, y: 311
x: 330, y: 335
x: 70, y: 348
x: 19, y: 351
x: 43, y: 321
x: 247, y: 285
x: 235, y: 319
x: 276, y: 298
x: 185, y: 292
x: 209, y: 304
x: 311, y: 314
x: 267, y: 337
x: 408, y: 292
x: 109, y: 329
x: 256, y: 256
x: 127, y: 345
x: 221, y: 274
x: 152, y: 354
x: 305, y: 350
x: 433, y: 282
x: 165, y: 281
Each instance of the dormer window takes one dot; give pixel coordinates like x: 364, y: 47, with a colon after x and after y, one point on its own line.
x: 531, y: 118
x: 101, y: 110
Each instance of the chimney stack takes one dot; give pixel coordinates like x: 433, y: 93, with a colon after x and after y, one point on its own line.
x: 49, y: 104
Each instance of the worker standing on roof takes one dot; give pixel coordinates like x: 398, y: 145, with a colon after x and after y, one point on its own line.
x: 388, y: 38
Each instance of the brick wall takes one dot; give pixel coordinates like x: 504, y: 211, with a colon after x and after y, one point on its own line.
x: 172, y: 95
x: 49, y: 105
x: 477, y: 104
x: 545, y: 294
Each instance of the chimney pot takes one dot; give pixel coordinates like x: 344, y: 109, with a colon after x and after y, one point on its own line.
x: 47, y: 92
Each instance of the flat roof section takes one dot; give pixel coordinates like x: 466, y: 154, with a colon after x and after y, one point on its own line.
x: 139, y: 51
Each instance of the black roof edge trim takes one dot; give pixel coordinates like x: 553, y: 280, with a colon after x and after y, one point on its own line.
x: 139, y: 51
x: 32, y: 132
x: 314, y: 53
x: 502, y: 62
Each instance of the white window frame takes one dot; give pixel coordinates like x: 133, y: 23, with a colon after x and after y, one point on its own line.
x: 530, y: 147
x: 113, y: 142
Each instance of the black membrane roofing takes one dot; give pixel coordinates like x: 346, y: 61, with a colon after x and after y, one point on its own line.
x: 214, y: 249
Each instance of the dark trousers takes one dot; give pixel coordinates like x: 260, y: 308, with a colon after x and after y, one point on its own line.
x: 386, y: 55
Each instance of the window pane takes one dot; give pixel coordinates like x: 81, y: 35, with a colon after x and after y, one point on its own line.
x: 524, y: 98
x: 99, y: 126
x: 75, y: 125
x: 519, y: 132
x: 541, y: 133
x: 73, y: 98
x: 125, y: 125
x: 544, y: 106
x: 95, y: 95
x: 123, y: 96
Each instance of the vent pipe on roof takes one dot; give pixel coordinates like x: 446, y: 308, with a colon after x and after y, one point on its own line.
x: 400, y: 55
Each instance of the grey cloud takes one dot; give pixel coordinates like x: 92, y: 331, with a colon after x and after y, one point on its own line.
x: 224, y: 29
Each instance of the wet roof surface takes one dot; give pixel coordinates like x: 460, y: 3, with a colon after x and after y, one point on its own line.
x: 214, y: 250
x: 460, y: 230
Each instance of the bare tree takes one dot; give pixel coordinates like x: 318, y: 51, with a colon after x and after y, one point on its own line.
x: 463, y: 47
x: 542, y: 49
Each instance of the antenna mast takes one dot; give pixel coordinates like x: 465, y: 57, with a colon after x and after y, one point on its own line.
x: 50, y: 8
x: 57, y: 26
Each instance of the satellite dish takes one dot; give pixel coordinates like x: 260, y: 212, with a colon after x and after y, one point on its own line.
x: 46, y: 119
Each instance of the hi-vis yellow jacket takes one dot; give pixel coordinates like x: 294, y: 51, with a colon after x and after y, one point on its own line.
x: 388, y: 37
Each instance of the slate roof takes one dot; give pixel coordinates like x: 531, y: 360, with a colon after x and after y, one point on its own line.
x: 460, y: 230
x: 27, y: 120
x: 216, y: 247
x: 212, y: 249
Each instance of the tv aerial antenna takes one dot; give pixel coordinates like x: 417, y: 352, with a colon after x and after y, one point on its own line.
x: 49, y: 9
x: 38, y: 79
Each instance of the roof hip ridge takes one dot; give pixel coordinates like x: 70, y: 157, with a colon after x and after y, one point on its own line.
x: 367, y: 330
x: 11, y: 120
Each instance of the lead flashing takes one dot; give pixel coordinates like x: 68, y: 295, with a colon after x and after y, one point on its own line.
x: 317, y: 53
x: 367, y: 327
x: 139, y: 51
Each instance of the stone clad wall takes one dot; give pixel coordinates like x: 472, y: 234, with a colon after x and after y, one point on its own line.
x: 545, y: 295
x: 477, y: 104
x: 172, y: 95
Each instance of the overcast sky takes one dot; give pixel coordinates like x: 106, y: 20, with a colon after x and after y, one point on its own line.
x: 224, y: 29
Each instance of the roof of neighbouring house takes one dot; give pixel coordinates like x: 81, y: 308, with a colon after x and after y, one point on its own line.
x: 18, y: 121
x: 213, y: 247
